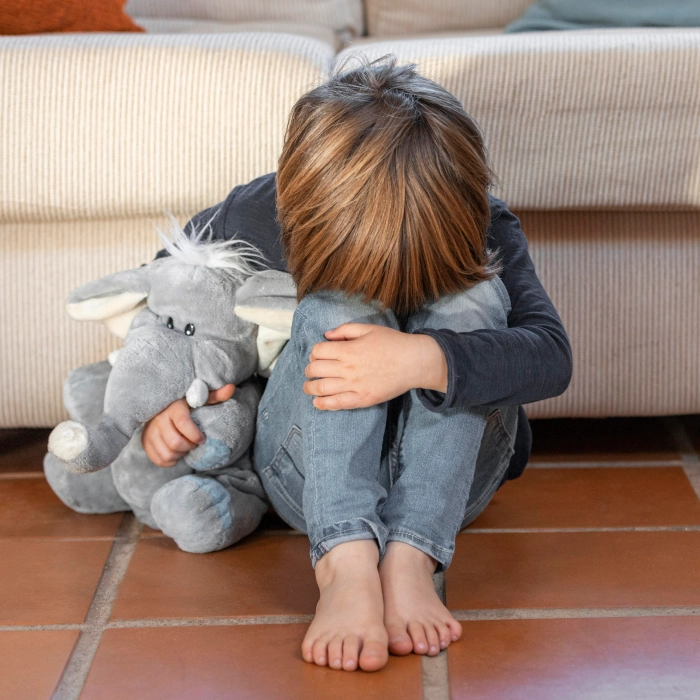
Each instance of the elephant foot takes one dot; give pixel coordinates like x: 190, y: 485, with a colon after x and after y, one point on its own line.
x: 68, y: 440
x: 202, y: 515
x: 84, y: 493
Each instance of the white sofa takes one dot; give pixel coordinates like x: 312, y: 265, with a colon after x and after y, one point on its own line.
x: 595, y: 137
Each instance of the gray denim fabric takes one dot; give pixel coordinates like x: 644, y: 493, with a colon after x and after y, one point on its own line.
x: 408, y: 474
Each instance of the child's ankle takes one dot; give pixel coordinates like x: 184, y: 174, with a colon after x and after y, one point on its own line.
x: 348, y: 556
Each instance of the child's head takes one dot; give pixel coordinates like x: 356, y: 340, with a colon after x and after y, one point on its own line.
x: 382, y: 189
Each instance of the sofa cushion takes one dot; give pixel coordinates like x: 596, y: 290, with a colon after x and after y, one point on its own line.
x: 41, y: 16
x: 344, y: 17
x: 174, y: 25
x: 394, y: 17
x: 597, y: 119
x: 574, y: 14
x: 121, y: 125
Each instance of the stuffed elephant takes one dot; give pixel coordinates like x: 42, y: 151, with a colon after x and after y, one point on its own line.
x: 182, y: 337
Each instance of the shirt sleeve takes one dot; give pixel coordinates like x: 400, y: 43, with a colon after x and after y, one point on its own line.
x: 528, y: 361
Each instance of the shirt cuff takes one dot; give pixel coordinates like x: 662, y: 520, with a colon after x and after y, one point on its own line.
x: 438, y: 401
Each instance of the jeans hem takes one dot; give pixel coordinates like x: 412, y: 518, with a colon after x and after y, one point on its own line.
x: 442, y: 555
x: 349, y: 531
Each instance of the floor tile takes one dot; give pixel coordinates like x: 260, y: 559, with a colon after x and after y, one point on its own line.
x: 574, y: 570
x: 29, y: 508
x: 31, y: 663
x: 49, y: 581
x: 263, y: 575
x: 610, y: 439
x: 22, y: 449
x: 619, y: 497
x: 652, y: 658
x: 242, y: 662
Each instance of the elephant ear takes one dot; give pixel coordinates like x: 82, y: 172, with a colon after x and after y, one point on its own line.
x: 115, y: 299
x: 268, y: 299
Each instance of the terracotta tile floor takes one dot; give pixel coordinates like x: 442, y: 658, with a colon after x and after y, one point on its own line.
x: 580, y: 580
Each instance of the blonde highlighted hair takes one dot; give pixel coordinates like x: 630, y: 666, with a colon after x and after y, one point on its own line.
x: 382, y: 189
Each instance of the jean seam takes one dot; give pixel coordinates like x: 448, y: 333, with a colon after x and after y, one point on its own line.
x: 282, y: 492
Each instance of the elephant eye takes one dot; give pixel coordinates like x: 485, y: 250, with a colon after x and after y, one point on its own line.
x: 189, y: 329
x: 170, y: 323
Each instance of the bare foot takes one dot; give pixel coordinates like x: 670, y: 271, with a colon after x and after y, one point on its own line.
x: 348, y: 630
x: 415, y: 619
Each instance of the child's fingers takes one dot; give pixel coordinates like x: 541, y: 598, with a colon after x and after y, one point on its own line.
x: 159, y: 453
x: 324, y: 387
x: 337, y: 402
x: 179, y: 414
x: 323, y: 368
x: 221, y: 395
x: 174, y: 440
x: 348, y: 331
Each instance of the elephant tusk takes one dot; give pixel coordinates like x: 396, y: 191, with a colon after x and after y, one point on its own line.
x: 197, y: 394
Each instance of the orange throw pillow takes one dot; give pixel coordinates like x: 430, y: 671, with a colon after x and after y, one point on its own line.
x: 41, y: 16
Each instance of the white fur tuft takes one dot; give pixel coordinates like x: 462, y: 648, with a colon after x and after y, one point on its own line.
x: 199, y: 248
x: 68, y: 440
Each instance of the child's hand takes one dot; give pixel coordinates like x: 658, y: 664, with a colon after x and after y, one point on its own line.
x: 171, y: 434
x: 367, y: 364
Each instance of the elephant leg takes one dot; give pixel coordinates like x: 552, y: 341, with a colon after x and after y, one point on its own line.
x: 84, y: 392
x: 84, y: 493
x: 204, y: 513
x: 136, y: 478
x: 229, y: 428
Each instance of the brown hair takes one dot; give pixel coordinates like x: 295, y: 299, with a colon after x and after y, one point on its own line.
x: 382, y: 189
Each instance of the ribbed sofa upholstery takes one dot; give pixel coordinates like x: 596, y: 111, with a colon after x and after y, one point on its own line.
x: 594, y: 137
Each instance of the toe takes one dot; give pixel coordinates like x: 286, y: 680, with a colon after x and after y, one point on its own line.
x: 307, y: 648
x: 455, y: 629
x: 351, y: 652
x: 374, y: 654
x: 335, y: 652
x: 432, y: 638
x: 320, y: 652
x: 400, y: 642
x: 444, y: 634
x: 420, y: 643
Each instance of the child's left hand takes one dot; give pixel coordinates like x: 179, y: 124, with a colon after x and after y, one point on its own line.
x: 367, y: 364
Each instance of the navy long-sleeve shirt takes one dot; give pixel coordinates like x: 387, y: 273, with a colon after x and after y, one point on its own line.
x: 528, y: 361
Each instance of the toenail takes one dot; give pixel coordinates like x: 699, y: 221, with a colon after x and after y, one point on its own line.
x: 322, y: 659
x: 433, y: 649
x: 443, y: 645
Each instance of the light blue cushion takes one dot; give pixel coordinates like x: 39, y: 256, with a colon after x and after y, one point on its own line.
x: 595, y: 14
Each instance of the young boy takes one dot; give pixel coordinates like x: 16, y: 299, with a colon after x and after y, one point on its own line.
x: 421, y: 328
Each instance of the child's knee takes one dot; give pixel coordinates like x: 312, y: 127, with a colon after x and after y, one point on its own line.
x: 325, y: 310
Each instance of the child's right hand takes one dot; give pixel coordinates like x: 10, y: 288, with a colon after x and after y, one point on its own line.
x: 172, y: 433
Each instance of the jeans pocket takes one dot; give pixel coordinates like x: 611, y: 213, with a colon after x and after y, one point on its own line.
x: 284, y: 481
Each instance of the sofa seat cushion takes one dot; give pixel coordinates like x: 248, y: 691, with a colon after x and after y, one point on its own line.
x: 598, y: 119
x: 176, y: 25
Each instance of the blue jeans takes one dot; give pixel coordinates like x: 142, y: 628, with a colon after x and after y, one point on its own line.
x: 396, y: 471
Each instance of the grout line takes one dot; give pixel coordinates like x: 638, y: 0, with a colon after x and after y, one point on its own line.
x: 691, y: 461
x: 534, y: 464
x: 535, y: 530
x: 435, y: 672
x: 573, y: 613
x: 210, y: 621
x: 38, y: 628
x: 77, y: 668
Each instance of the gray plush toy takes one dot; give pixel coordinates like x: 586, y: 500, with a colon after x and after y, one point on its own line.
x: 182, y: 337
